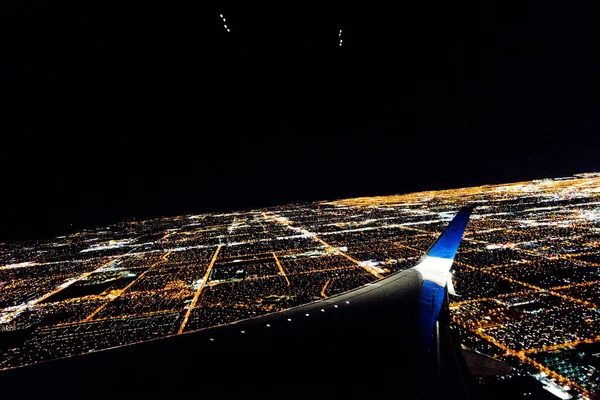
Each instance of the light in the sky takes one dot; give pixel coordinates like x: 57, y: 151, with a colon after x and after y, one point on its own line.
x: 224, y: 24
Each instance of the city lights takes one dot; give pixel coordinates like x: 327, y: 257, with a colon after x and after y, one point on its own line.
x: 527, y: 272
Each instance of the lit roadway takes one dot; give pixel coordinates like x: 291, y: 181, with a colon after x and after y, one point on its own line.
x: 103, y: 306
x: 536, y: 288
x: 521, y: 354
x: 65, y: 285
x: 281, y: 268
x: 325, y: 288
x: 197, y: 295
x: 369, y: 268
x: 562, y: 345
x: 285, y: 222
x: 112, y: 318
x: 258, y: 278
x: 582, y: 284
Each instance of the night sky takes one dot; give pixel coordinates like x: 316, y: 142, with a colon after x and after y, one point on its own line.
x: 147, y: 109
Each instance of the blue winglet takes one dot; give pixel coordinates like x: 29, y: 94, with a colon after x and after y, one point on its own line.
x: 433, y: 290
x: 447, y: 244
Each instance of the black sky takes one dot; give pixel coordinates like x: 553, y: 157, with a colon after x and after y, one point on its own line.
x: 146, y: 109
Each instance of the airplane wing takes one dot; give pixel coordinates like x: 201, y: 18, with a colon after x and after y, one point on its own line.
x: 378, y: 339
x: 435, y: 269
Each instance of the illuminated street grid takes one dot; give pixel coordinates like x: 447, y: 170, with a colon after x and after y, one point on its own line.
x: 528, y: 272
